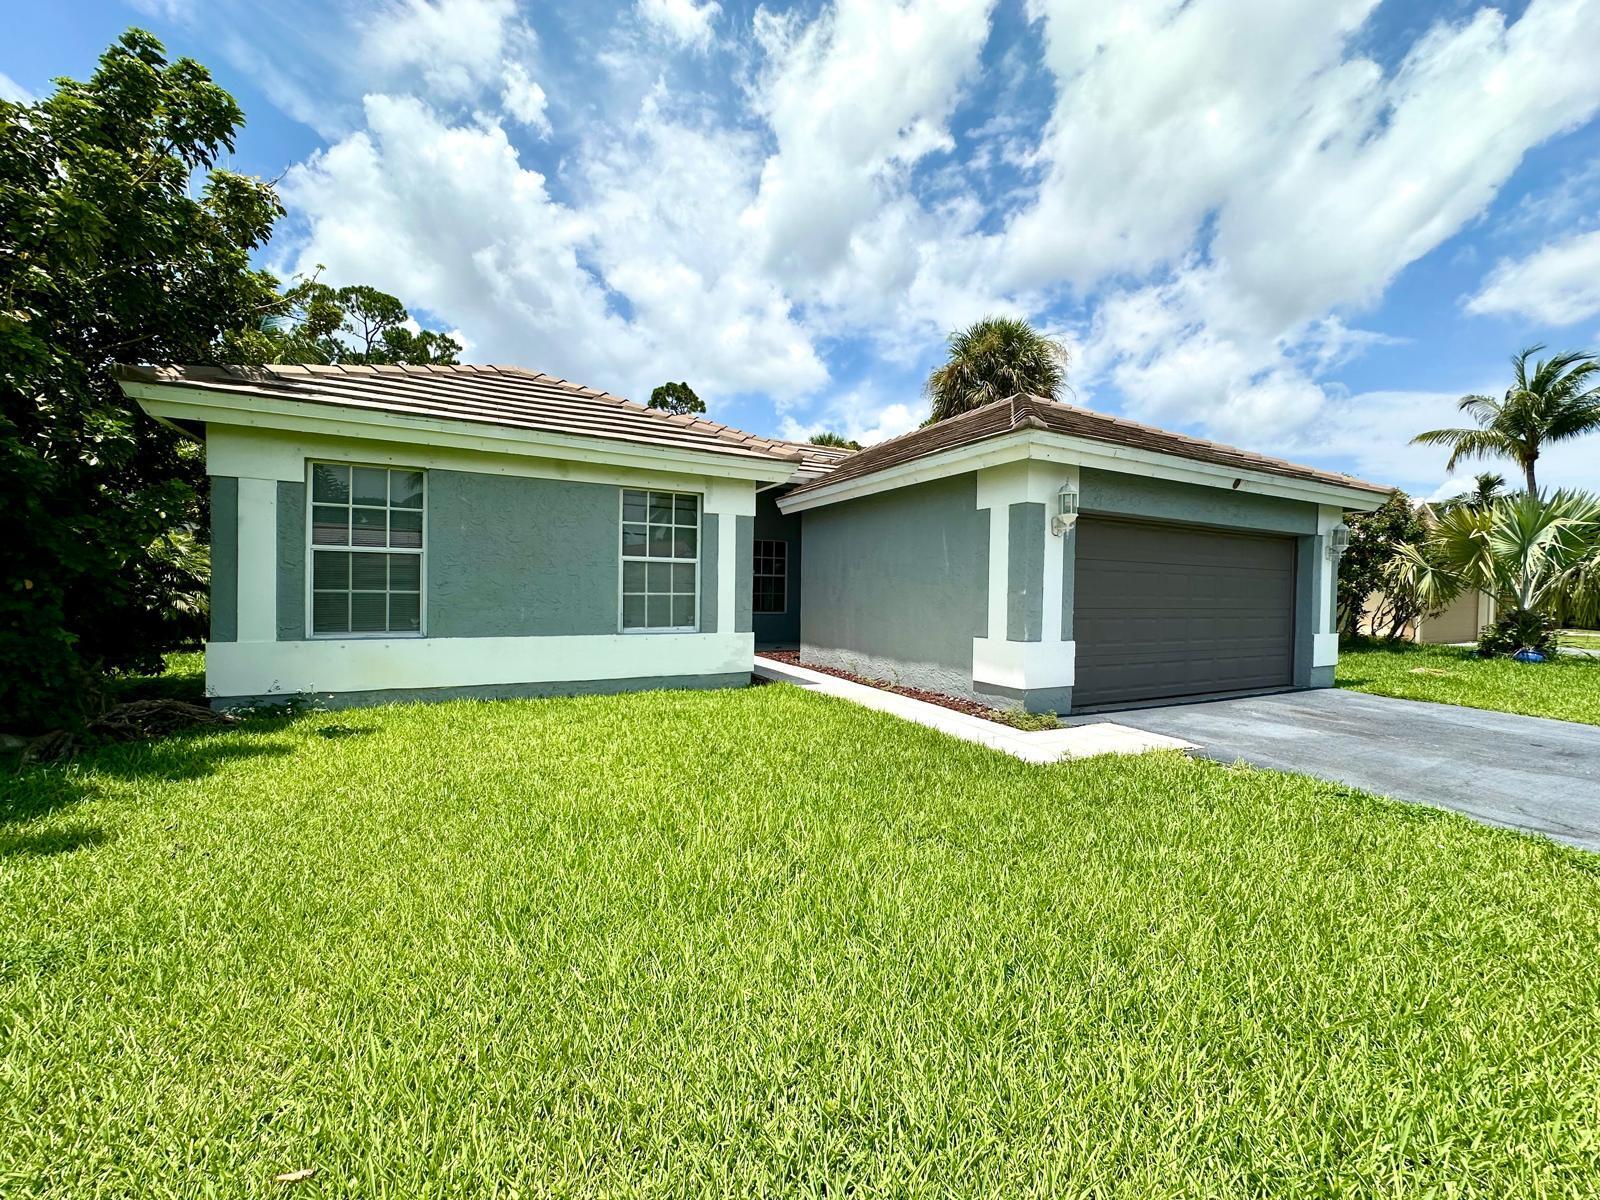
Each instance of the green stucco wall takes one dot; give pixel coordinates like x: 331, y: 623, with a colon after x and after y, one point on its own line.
x: 1114, y: 494
x: 1025, y: 568
x: 291, y: 561
x: 896, y: 585
x: 515, y: 557
x: 744, y: 566
x: 224, y: 558
x: 708, y: 571
x: 780, y: 629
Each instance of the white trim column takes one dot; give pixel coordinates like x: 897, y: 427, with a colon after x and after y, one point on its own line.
x: 728, y: 502
x: 998, y: 661
x: 258, y: 560
x: 1325, y: 639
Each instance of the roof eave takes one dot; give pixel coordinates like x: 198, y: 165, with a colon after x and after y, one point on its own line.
x: 174, y: 401
x: 1050, y: 446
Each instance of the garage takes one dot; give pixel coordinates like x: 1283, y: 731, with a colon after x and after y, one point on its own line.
x: 1165, y: 611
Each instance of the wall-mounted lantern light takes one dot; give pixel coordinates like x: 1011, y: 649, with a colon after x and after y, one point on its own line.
x: 1338, y: 541
x: 1066, y: 513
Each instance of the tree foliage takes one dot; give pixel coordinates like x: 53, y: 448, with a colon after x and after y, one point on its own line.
x: 1550, y: 400
x: 837, y: 440
x: 320, y: 324
x: 992, y: 359
x: 1374, y: 539
x: 120, y: 239
x: 677, y: 398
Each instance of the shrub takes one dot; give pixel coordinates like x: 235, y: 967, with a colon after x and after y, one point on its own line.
x: 1520, y: 629
x: 1020, y: 718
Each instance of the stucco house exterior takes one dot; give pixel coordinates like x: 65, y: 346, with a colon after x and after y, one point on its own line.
x: 395, y: 532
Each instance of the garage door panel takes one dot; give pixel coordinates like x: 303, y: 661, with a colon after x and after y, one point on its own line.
x: 1170, y: 611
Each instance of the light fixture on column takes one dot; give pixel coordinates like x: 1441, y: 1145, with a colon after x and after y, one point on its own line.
x: 1066, y: 513
x: 1338, y: 541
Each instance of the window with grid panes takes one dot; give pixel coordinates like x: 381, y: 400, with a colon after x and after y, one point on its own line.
x: 366, y: 549
x: 660, y: 560
x: 769, y: 580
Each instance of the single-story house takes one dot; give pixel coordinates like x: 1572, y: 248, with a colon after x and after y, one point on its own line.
x: 392, y: 532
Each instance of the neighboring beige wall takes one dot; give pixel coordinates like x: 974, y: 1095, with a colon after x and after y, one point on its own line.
x: 1460, y: 622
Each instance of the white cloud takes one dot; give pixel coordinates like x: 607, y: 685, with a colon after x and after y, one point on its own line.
x: 1557, y: 284
x: 860, y: 415
x: 634, y: 288
x: 682, y: 21
x: 455, y: 46
x: 13, y: 91
x: 1287, y: 182
x: 524, y: 99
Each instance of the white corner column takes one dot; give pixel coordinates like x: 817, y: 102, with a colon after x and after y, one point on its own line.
x: 727, y: 502
x: 258, y: 560
x: 1325, y: 636
x: 1003, y: 659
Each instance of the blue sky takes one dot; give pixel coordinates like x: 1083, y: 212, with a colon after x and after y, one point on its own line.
x: 1300, y: 226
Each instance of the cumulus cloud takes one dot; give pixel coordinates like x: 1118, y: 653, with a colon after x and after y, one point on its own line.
x: 682, y: 21
x: 1210, y: 214
x: 1557, y: 284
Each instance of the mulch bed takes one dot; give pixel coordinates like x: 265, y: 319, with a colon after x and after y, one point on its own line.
x: 971, y: 707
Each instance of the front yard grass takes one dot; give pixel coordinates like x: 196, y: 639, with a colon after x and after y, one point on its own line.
x: 761, y: 942
x: 1567, y: 687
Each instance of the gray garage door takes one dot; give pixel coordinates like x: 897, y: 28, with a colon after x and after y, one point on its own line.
x: 1165, y: 610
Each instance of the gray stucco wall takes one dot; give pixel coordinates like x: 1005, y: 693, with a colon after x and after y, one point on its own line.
x: 1025, y: 568
x: 224, y: 558
x: 291, y: 561
x: 1163, y: 500
x: 896, y: 585
x: 780, y: 629
x: 708, y: 572
x: 745, y: 531
x: 515, y: 557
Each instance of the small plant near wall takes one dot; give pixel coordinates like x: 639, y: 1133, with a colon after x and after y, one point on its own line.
x: 1021, y: 718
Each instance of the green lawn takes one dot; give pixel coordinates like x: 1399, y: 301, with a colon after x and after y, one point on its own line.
x: 764, y: 943
x: 1567, y: 687
x: 1580, y: 639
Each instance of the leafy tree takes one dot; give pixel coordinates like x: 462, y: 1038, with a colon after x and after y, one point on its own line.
x: 1375, y: 537
x: 992, y: 359
x: 120, y: 239
x: 1534, y: 554
x: 1557, y: 398
x: 837, y: 440
x: 677, y: 398
x: 354, y: 324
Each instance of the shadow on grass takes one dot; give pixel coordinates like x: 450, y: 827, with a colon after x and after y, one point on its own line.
x: 34, y: 792
x: 45, y: 842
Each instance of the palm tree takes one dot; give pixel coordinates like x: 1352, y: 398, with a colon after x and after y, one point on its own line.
x: 993, y: 359
x: 1533, y: 554
x: 1558, y: 399
x: 836, y: 440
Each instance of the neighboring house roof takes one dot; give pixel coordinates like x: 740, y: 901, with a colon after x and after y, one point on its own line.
x: 815, y: 461
x: 510, y: 397
x: 1025, y: 412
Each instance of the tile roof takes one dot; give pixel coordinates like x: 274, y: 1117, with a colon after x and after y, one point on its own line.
x: 815, y: 461
x: 489, y: 395
x: 1022, y: 412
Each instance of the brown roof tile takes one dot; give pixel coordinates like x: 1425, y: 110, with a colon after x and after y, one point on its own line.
x: 505, y: 396
x: 1020, y: 412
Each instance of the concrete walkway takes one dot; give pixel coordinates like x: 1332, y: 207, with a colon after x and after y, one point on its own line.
x: 1526, y: 773
x: 1037, y: 746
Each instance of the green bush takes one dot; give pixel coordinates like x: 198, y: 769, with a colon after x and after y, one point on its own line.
x: 1021, y: 718
x: 1520, y: 629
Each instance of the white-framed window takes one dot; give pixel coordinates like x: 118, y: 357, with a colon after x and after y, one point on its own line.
x: 769, y: 581
x: 660, y: 561
x: 365, y: 545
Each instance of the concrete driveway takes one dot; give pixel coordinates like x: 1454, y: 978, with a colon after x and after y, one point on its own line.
x: 1524, y: 772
